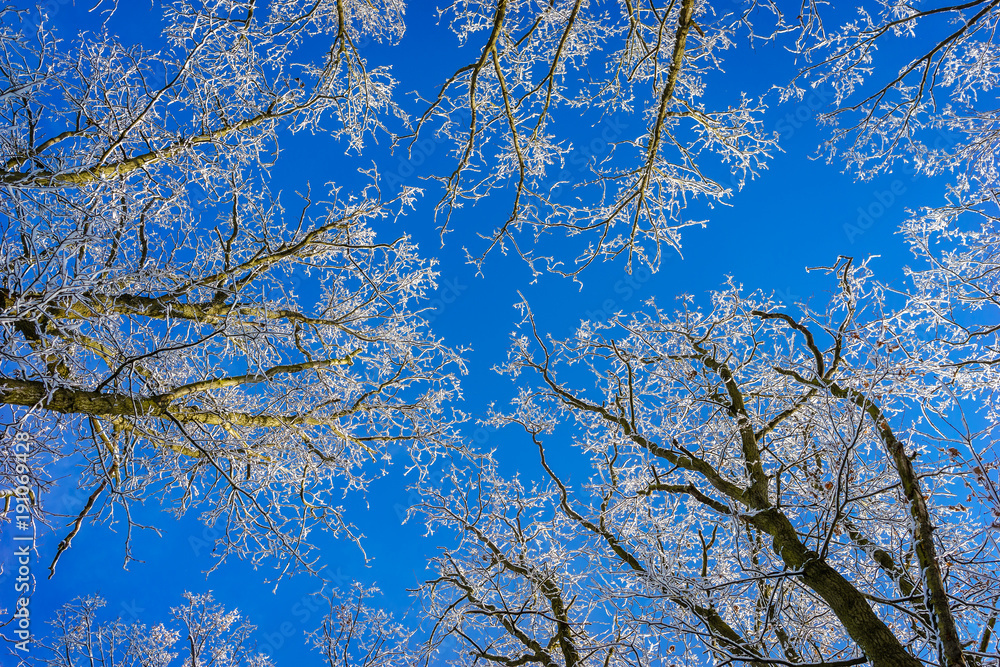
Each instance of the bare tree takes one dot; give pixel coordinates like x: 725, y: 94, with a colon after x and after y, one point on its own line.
x: 933, y: 108
x: 96, y: 111
x: 539, y: 62
x: 357, y: 634
x: 203, y: 632
x: 759, y: 486
x: 166, y: 325
x: 955, y: 294
x: 747, y: 484
x: 935, y: 111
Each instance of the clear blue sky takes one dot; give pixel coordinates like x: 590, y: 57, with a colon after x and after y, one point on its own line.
x: 793, y: 216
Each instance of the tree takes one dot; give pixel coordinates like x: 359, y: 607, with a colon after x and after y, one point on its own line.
x: 540, y: 62
x: 202, y: 629
x: 914, y: 89
x: 355, y: 633
x: 749, y: 483
x: 763, y: 487
x: 203, y: 632
x: 166, y: 327
x: 94, y: 113
x: 936, y: 111
x: 767, y: 487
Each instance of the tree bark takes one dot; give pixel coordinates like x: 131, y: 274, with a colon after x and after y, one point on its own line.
x: 869, y: 632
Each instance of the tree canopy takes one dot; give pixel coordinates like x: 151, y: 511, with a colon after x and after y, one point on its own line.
x: 190, y: 323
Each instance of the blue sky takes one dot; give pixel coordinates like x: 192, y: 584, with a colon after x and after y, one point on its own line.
x: 801, y: 212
